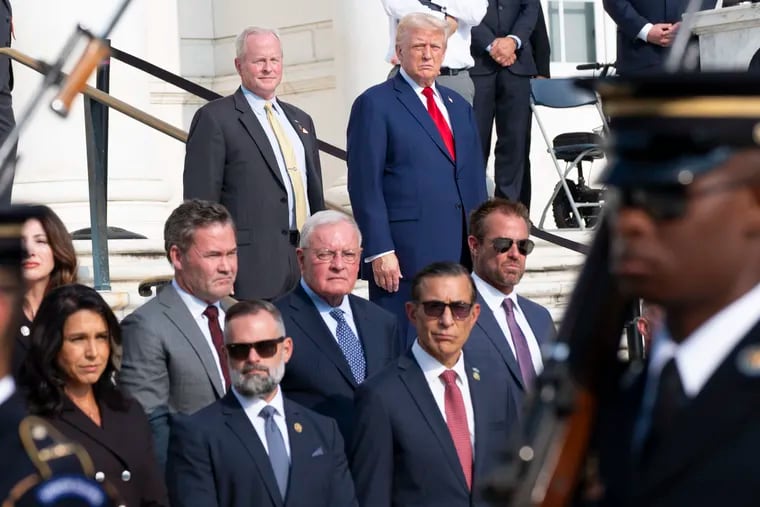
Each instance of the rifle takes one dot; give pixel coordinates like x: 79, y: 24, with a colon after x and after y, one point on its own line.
x: 551, y: 447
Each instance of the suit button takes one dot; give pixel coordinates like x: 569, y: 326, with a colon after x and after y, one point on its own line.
x: 100, y: 476
x: 501, y: 7
x: 284, y: 200
x: 126, y: 475
x: 284, y: 232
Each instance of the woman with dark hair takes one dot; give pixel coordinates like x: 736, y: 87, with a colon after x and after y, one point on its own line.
x: 69, y: 377
x: 50, y: 262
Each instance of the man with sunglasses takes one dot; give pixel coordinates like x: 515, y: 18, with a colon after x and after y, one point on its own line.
x: 348, y: 337
x: 510, y: 326
x: 685, y: 235
x: 254, y: 446
x: 433, y: 425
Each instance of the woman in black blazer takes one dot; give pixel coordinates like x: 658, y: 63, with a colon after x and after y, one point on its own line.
x: 70, y: 379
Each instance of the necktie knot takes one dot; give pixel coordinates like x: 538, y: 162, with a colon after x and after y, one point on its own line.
x: 268, y: 107
x: 427, y: 92
x: 509, y: 306
x: 268, y: 412
x: 337, y: 314
x: 449, y: 377
x: 211, y: 312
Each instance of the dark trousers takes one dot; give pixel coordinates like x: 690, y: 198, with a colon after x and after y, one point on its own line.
x: 505, y: 98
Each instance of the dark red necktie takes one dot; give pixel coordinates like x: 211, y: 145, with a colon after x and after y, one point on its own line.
x: 440, y: 121
x: 212, y: 314
x: 456, y: 420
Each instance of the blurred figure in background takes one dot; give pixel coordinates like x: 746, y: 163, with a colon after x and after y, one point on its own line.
x: 650, y: 321
x: 70, y: 380
x: 50, y: 262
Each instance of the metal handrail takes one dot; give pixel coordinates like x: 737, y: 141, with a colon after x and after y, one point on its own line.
x: 104, y: 98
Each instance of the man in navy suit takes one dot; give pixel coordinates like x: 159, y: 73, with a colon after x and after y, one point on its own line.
x: 433, y: 425
x: 339, y: 339
x: 254, y: 447
x: 645, y: 31
x: 414, y: 167
x: 504, y: 64
x: 510, y: 327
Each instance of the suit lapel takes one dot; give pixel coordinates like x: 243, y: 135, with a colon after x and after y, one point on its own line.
x: 370, y: 336
x: 177, y: 312
x: 303, y: 447
x: 313, y: 327
x: 487, y: 323
x: 457, y: 120
x: 481, y: 409
x: 702, y: 427
x: 313, y: 180
x: 543, y: 331
x: 414, y: 105
x: 256, y: 131
x: 416, y: 383
x: 107, y: 434
x: 237, y: 420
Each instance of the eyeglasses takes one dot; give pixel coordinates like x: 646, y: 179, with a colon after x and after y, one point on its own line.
x: 459, y: 309
x: 668, y: 202
x: 503, y: 245
x: 264, y: 349
x: 325, y: 255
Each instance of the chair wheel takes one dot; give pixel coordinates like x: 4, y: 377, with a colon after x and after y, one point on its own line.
x: 563, y: 212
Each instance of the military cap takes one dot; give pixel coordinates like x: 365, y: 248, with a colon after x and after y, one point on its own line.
x: 667, y: 129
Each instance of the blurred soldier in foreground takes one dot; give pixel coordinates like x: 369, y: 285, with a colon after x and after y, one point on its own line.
x: 685, y: 428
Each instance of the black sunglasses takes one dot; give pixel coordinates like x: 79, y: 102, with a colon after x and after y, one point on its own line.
x: 459, y: 309
x: 264, y: 349
x: 503, y: 245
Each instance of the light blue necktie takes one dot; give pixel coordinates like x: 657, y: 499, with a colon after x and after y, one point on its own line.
x: 350, y: 345
x: 278, y: 455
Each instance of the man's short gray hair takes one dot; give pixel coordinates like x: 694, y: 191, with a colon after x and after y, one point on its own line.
x: 326, y: 217
x: 251, y: 30
x: 420, y: 20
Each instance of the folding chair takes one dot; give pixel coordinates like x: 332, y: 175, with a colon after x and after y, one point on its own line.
x: 573, y: 203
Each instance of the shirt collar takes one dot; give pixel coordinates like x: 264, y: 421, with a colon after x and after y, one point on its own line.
x: 253, y: 405
x: 194, y: 304
x: 417, y: 88
x: 321, y: 304
x: 431, y: 367
x: 493, y: 297
x: 702, y: 352
x: 257, y: 103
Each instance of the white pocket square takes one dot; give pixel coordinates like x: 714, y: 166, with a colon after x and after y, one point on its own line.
x: 318, y: 452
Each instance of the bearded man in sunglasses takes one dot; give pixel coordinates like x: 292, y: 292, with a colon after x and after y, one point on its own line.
x: 510, y: 327
x: 433, y: 425
x: 685, y: 231
x: 255, y: 447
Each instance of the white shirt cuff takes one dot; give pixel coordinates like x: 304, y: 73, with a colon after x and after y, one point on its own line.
x: 644, y: 33
x: 517, y: 40
x: 370, y: 259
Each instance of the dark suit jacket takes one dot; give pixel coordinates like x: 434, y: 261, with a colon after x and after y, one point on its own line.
x: 167, y: 364
x: 318, y: 375
x: 633, y: 54
x: 488, y: 339
x: 407, y: 194
x: 402, y: 453
x: 217, y: 459
x: 122, y: 443
x: 539, y: 41
x: 230, y: 160
x: 505, y: 17
x: 710, y: 459
x: 6, y: 71
x: 14, y: 461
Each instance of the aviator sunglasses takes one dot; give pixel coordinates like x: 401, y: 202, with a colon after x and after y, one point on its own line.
x: 264, y: 349
x: 503, y: 245
x: 459, y: 309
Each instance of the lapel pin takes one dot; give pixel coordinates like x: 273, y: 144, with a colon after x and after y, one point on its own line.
x: 748, y: 361
x: 304, y: 130
x: 475, y: 374
x: 451, y: 100
x: 298, y: 427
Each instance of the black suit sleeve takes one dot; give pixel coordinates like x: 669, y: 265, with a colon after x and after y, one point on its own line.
x: 153, y: 492
x: 526, y: 20
x: 342, y: 488
x: 205, y: 157
x: 539, y: 40
x: 190, y: 474
x: 372, y: 451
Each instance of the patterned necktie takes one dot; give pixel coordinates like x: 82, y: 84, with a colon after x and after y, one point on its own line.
x: 440, y: 121
x: 289, y: 156
x: 212, y: 314
x: 350, y: 345
x: 278, y: 455
x: 522, y: 351
x: 456, y: 420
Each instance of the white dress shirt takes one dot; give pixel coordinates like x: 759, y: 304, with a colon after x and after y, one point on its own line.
x: 494, y: 299
x: 468, y: 13
x: 253, y: 407
x: 324, y: 311
x: 257, y: 104
x: 432, y: 369
x: 196, y: 308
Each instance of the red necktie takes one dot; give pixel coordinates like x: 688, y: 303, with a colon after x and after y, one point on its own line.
x: 439, y: 120
x: 456, y: 420
x: 212, y: 314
